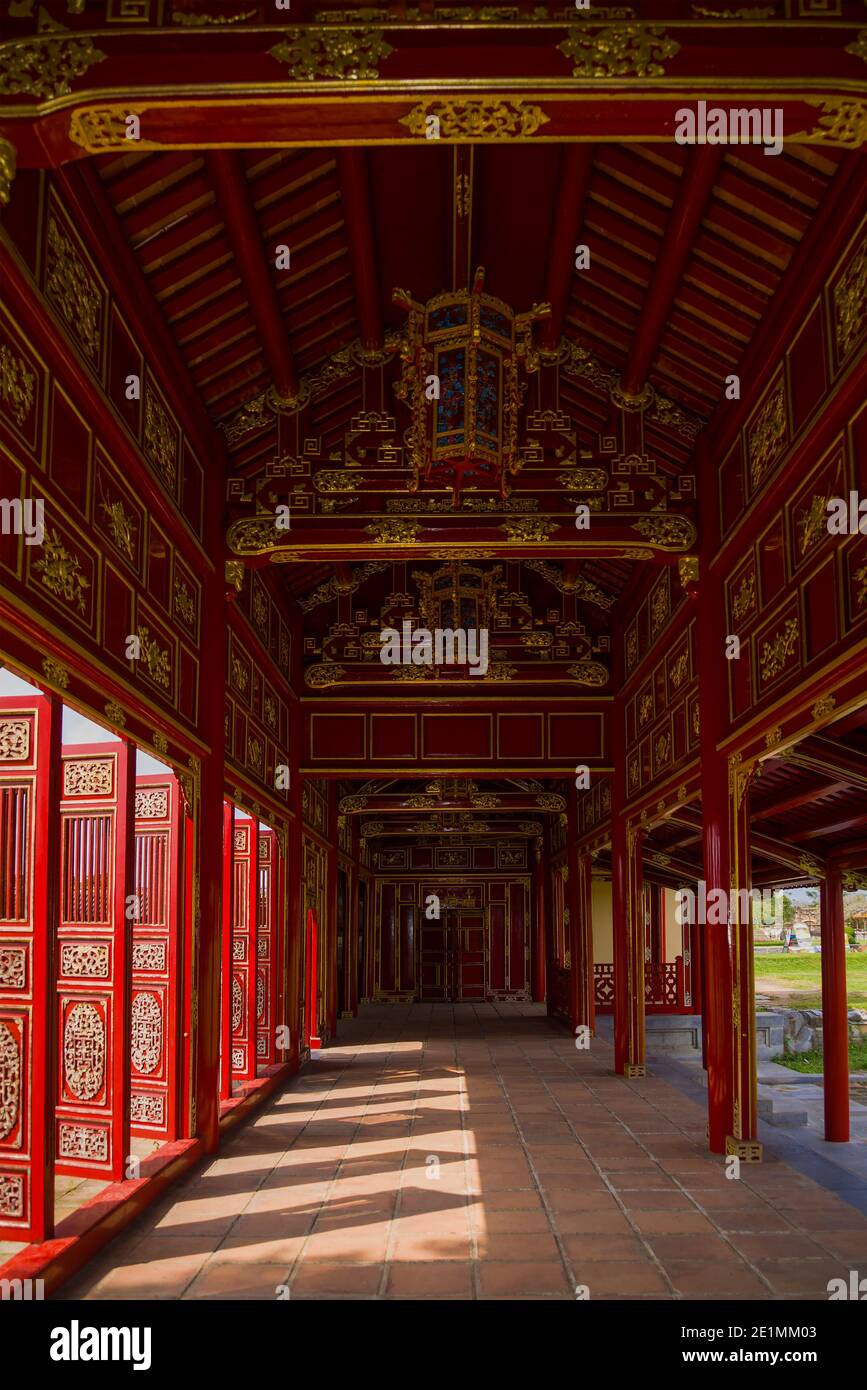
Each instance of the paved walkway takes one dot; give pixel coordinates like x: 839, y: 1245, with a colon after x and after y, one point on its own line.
x: 472, y: 1152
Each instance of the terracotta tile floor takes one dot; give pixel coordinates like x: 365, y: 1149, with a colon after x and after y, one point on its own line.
x: 472, y: 1152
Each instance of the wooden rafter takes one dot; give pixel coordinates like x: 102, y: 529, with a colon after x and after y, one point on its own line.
x: 575, y: 167
x: 353, y: 170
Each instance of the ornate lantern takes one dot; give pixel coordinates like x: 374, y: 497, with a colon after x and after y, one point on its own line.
x: 461, y: 358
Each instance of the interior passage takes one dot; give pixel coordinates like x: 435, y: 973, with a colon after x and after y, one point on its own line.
x: 472, y: 1151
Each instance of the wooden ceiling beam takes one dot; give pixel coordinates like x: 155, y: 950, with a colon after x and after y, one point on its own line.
x: 699, y: 175
x: 823, y: 755
x: 774, y: 809
x: 575, y: 167
x: 236, y: 209
x: 352, y: 166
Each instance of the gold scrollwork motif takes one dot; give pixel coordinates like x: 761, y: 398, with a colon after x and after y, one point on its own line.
x: 337, y: 481
x: 98, y: 128
x: 477, y: 118
x: 528, y: 529
x: 327, y: 673
x: 774, y: 737
x: 7, y: 170
x: 776, y: 653
x: 571, y: 584
x: 550, y: 801
x: 353, y: 803
x: 45, y: 65
x: 625, y: 50
x: 843, y: 122
x: 16, y: 384
x: 115, y: 714
x: 156, y: 659
x: 823, y: 706
x: 393, y: 531
x: 850, y: 302
x: 61, y: 572
x: 196, y: 20
x: 744, y: 601
x: 121, y: 527
x: 254, y: 535
x: 588, y: 673
x: 858, y: 48
x: 667, y: 532
x: 160, y: 441
x: 346, y: 55
x: 71, y: 290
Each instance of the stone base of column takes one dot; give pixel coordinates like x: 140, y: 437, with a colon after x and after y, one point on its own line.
x: 747, y: 1150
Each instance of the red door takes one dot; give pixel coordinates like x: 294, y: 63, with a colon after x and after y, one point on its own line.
x: 469, y: 954
x: 453, y: 957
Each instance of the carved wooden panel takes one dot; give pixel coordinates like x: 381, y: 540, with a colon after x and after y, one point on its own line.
x: 94, y: 941
x: 266, y: 948
x: 156, y: 958
x: 245, y: 860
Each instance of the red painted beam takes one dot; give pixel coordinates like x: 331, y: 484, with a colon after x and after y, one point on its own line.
x: 824, y: 755
x: 697, y: 181
x: 835, y: 1016
x: 352, y: 168
x: 236, y: 209
x: 575, y: 167
x: 774, y: 809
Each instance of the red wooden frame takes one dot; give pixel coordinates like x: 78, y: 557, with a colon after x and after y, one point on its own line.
x: 312, y: 1039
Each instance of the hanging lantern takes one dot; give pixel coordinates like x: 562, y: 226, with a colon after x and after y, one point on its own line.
x: 461, y: 359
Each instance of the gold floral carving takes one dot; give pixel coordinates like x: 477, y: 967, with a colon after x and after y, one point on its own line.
x: 687, y: 570
x: 196, y: 20
x: 623, y: 50
x: 353, y: 803
x: 744, y: 601
x: 393, y: 531
x: 667, y: 532
x: 44, y: 66
x: 335, y: 586
x: 99, y: 128
x: 121, y: 528
x: 115, y: 714
x: 659, y: 607
x: 337, y: 480
x: 316, y: 53
x: 16, y: 384
x: 327, y: 673
x: 858, y: 47
x: 526, y: 529
x: 843, y: 122
x: 501, y: 671
x: 14, y: 740
x: 254, y: 535
x: 185, y: 605
x: 588, y: 673
x: 90, y: 777
x: 679, y: 670
x: 160, y: 743
x: 776, y: 653
x: 72, y: 291
x: 584, y: 480
x: 234, y: 573
x: 54, y: 672
x: 850, y: 302
x: 155, y: 658
x: 823, y: 706
x: 160, y: 441
x: 767, y: 437
x: 61, y: 572
x: 7, y: 170
x: 550, y: 801
x: 477, y: 118
x: 774, y: 737
x: 861, y: 581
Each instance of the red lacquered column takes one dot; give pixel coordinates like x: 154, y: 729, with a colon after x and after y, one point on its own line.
x: 539, y: 950
x: 835, y: 1020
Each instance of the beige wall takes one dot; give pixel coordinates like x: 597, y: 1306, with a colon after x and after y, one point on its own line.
x: 603, y: 938
x: 673, y: 930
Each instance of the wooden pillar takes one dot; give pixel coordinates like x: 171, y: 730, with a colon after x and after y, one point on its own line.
x: 331, y: 916
x: 743, y: 1140
x: 209, y: 810
x: 584, y: 941
x: 835, y: 1012
x: 628, y: 931
x: 538, y: 904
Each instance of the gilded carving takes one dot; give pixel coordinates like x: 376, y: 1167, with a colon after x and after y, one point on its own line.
x: 327, y: 673
x: 571, y: 584
x: 7, y: 170
x: 72, y: 291
x: 14, y: 740
x: 776, y: 653
x: 843, y: 122
x: 45, y: 65
x: 160, y: 441
x: 61, y: 572
x: 393, y: 531
x: 659, y: 607
x: 850, y: 302
x: 84, y: 1051
x: 316, y: 53
x: 624, y: 50
x: 55, y: 673
x: 237, y: 1004
x: 823, y: 706
x: 667, y: 532
x: 89, y: 777
x: 744, y: 601
x: 588, y: 673
x: 477, y: 118
x: 550, y: 801
x: 679, y: 670
x: 16, y: 384
x: 160, y: 743
x: 253, y: 535
x: 767, y: 437
x: 353, y: 803
x: 335, y: 586
x: 121, y: 527
x: 149, y: 955
x: 185, y: 606
x: 773, y: 737
x: 812, y: 524
x: 528, y: 529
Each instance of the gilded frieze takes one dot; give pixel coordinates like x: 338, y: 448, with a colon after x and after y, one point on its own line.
x: 524, y: 530
x: 61, y: 572
x: 767, y: 438
x: 625, y: 50
x: 156, y: 659
x: 161, y: 441
x: 45, y: 65
x: 588, y: 673
x: 477, y: 118
x: 776, y: 653
x: 72, y: 291
x: 317, y: 53
x: 850, y: 303
x: 744, y: 601
x: 667, y: 532
x: 843, y: 122
x: 16, y: 385
x: 8, y: 162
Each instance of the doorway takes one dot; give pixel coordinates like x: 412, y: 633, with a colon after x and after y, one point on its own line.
x: 453, y: 956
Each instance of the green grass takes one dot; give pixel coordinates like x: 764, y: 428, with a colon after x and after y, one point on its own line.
x: 812, y: 1061
x: 795, y: 982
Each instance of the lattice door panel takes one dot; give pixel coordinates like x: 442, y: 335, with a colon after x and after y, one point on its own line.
x: 244, y: 900
x: 29, y: 736
x: 92, y: 1123
x: 156, y: 958
x: 266, y: 947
